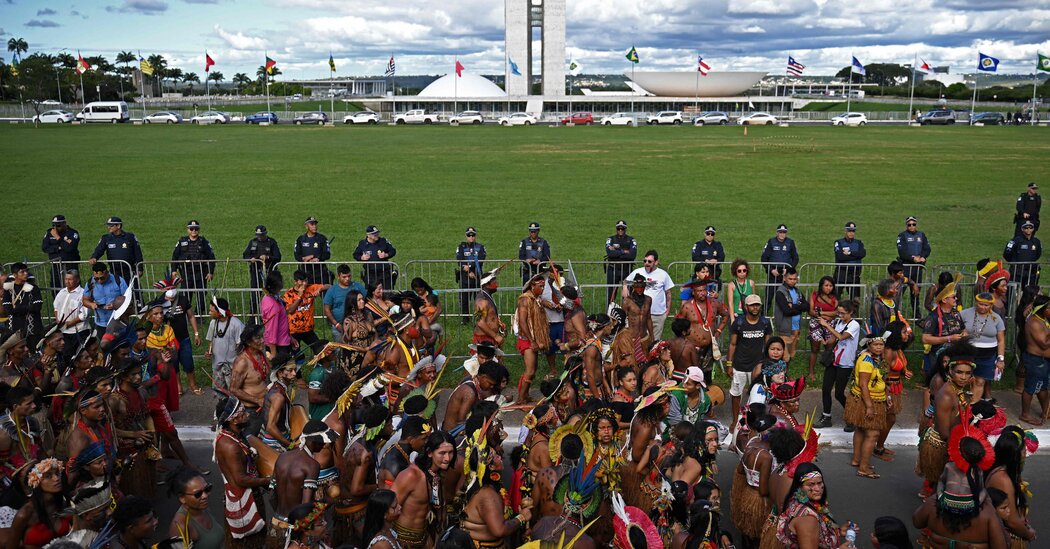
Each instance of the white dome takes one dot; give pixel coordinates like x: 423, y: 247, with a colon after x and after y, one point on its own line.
x: 469, y: 85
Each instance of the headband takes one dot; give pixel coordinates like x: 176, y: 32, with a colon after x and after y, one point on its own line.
x: 774, y: 368
x: 92, y: 452
x: 88, y: 504
x: 90, y: 398
x: 233, y: 406
x: 811, y: 475
x: 36, y: 474
x: 984, y: 298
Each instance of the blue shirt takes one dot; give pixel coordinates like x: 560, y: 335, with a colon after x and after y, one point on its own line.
x: 335, y: 298
x: 104, y: 293
x: 796, y: 321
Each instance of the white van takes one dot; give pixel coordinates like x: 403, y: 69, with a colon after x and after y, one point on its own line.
x: 105, y: 111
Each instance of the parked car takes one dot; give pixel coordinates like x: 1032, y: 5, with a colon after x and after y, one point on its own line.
x: 163, y: 117
x: 581, y: 118
x: 211, y: 117
x: 54, y: 117
x: 938, y: 116
x: 105, y: 111
x: 711, y: 118
x: 757, y: 119
x: 416, y: 116
x: 361, y: 117
x: 665, y: 117
x: 467, y: 117
x: 849, y: 119
x: 310, y: 118
x: 619, y: 119
x: 260, y: 117
x: 988, y: 118
x: 518, y: 119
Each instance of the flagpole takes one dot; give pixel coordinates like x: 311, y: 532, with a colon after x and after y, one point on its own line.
x: 849, y: 87
x: 393, y: 84
x: 973, y: 100
x: 455, y: 89
x: 266, y: 78
x: 696, y: 92
x: 1035, y: 82
x: 911, y: 95
x: 142, y: 88
x: 633, y: 63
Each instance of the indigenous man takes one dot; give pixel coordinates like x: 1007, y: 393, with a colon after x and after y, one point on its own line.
x: 684, y: 352
x: 487, y: 324
x: 93, y: 426
x: 535, y: 455
x: 243, y: 510
x: 296, y: 472
x: 358, y: 479
x: 533, y: 332
x: 419, y: 494
x: 948, y: 404
x: 131, y: 415
x: 480, y: 387
x: 277, y: 407
x: 581, y: 344
x: 706, y: 325
x: 562, y: 457
x: 1035, y: 358
x: 414, y: 433
x: 637, y: 305
x: 249, y: 375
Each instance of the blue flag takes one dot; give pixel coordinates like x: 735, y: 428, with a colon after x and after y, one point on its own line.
x: 857, y: 67
x: 986, y: 63
x: 513, y: 67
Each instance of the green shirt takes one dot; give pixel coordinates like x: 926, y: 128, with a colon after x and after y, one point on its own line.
x: 314, y: 381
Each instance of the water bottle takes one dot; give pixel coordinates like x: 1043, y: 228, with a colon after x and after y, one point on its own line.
x: 851, y: 537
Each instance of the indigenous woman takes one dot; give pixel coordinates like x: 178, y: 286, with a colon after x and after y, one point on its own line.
x: 789, y: 448
x: 1005, y: 475
x: 988, y: 332
x: 358, y: 329
x: 383, y: 509
x: 866, y: 405
x: 774, y: 371
x: 627, y: 385
x: 641, y: 483
x: 535, y: 455
x: 749, y: 503
x: 898, y: 337
x: 660, y: 367
x: 822, y: 304
x: 193, y: 524
x: 740, y: 287
x: 785, y: 402
x: 39, y: 521
x: 704, y: 529
x: 20, y: 432
x: 806, y: 522
x: 308, y: 526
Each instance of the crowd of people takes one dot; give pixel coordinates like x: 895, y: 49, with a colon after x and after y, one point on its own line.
x: 619, y: 439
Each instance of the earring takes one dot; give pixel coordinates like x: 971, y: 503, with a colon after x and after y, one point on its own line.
x: 801, y: 497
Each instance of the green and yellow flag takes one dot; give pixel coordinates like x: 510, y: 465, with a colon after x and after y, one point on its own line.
x: 331, y: 62
x: 632, y: 55
x: 1043, y: 64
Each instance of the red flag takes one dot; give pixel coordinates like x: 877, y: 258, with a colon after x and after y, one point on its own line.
x: 459, y: 68
x: 925, y: 67
x: 208, y: 62
x: 82, y: 66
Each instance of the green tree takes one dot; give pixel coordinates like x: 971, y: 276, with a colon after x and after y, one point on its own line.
x: 191, y: 78
x: 216, y: 77
x: 260, y: 73
x: 18, y: 46
x: 125, y: 58
x: 240, y: 79
x: 175, y: 75
x: 160, y: 68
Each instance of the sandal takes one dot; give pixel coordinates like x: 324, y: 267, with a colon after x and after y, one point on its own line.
x: 883, y: 454
x: 197, y: 391
x: 870, y: 474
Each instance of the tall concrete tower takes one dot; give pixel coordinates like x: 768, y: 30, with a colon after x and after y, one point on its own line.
x: 522, y: 17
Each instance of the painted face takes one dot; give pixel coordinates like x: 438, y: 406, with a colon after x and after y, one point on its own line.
x: 711, y: 442
x: 536, y: 287
x: 780, y: 377
x: 288, y: 374
x: 814, y: 488
x: 605, y: 430
x: 427, y: 375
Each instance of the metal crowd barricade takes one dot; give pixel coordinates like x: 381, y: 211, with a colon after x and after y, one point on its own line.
x: 597, y: 289
x: 43, y: 273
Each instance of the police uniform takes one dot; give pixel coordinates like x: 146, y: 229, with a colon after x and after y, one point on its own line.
x: 1027, y: 204
x: 65, y: 248
x: 704, y: 251
x: 201, y: 263
x: 777, y: 255
x: 528, y: 249
x: 317, y: 246
x: 471, y: 256
x: 257, y: 272
x: 620, y: 251
x: 120, y: 247
x: 1027, y: 252
x: 908, y: 245
x: 847, y: 270
x: 382, y: 270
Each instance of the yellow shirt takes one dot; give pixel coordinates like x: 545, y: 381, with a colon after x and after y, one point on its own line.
x: 876, y: 384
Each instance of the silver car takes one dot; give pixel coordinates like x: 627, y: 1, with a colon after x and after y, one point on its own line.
x: 467, y: 117
x: 362, y: 117
x: 211, y: 117
x: 54, y: 117
x: 163, y: 117
x: 711, y: 118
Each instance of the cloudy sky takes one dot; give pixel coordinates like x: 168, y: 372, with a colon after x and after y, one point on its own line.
x: 427, y: 35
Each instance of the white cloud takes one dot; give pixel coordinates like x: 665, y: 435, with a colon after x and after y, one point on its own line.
x: 240, y: 41
x: 950, y: 24
x: 769, y: 7
x: 746, y: 29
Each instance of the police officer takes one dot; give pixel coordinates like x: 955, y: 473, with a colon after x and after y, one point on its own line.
x: 1028, y: 205
x: 471, y: 255
x: 376, y: 249
x: 912, y: 250
x: 620, y: 251
x: 710, y: 251
x: 194, y: 259
x: 264, y: 254
x: 119, y: 246
x: 313, y: 247
x: 61, y: 244
x: 848, y: 255
x: 779, y: 252
x: 1023, y: 253
x: 533, y: 251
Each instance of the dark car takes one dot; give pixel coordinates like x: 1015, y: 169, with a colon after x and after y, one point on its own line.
x: 988, y: 118
x: 939, y: 116
x: 310, y: 118
x: 261, y: 117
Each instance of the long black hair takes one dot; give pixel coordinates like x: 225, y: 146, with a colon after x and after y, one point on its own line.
x: 785, y: 444
x: 178, y: 479
x: 703, y: 525
x: 375, y: 511
x: 1009, y: 454
x: 1028, y: 295
x: 350, y: 303
x: 433, y: 442
x: 973, y: 452
x: 796, y: 482
x: 891, y: 531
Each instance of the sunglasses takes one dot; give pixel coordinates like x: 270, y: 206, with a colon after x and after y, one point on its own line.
x: 195, y: 230
x: 206, y: 490
x: 911, y: 224
x: 741, y: 270
x: 647, y: 262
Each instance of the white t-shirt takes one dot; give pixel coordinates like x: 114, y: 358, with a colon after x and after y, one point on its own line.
x: 657, y: 284
x: 548, y: 295
x: 69, y: 305
x: 846, y: 349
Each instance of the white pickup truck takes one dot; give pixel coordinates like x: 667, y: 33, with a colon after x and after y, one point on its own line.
x: 417, y: 116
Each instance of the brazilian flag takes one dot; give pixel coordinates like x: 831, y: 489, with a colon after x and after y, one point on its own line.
x: 632, y: 55
x: 1043, y: 64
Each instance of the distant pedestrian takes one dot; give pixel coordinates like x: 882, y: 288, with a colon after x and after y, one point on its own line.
x: 471, y: 255
x: 22, y: 304
x: 849, y: 252
x: 299, y: 304
x: 335, y: 300
x: 62, y: 245
x: 787, y: 312
x: 264, y: 254
x: 1023, y: 253
x: 532, y: 252
x: 121, y: 249
x: 913, y: 248
x: 710, y: 251
x: 658, y: 286
x: 72, y: 314
x: 778, y: 253
x: 377, y: 251
x: 620, y: 251
x: 194, y: 259
x: 1028, y: 205
x: 223, y: 335
x: 313, y: 247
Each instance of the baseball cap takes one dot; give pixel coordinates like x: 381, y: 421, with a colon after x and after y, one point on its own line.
x: 193, y: 224
x: 782, y: 228
x: 260, y: 229
x: 694, y: 373
x: 752, y: 299
x: 851, y: 226
x: 371, y: 229
x: 621, y: 224
x: 114, y: 220
x: 310, y: 219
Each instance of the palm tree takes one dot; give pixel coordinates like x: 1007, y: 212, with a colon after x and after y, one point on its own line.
x: 17, y: 45
x: 240, y: 79
x: 190, y: 78
x: 160, y: 67
x: 175, y: 74
x: 126, y: 58
x: 216, y: 77
x: 261, y: 72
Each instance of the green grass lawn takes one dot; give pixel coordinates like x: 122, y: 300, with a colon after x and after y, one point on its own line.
x: 423, y: 185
